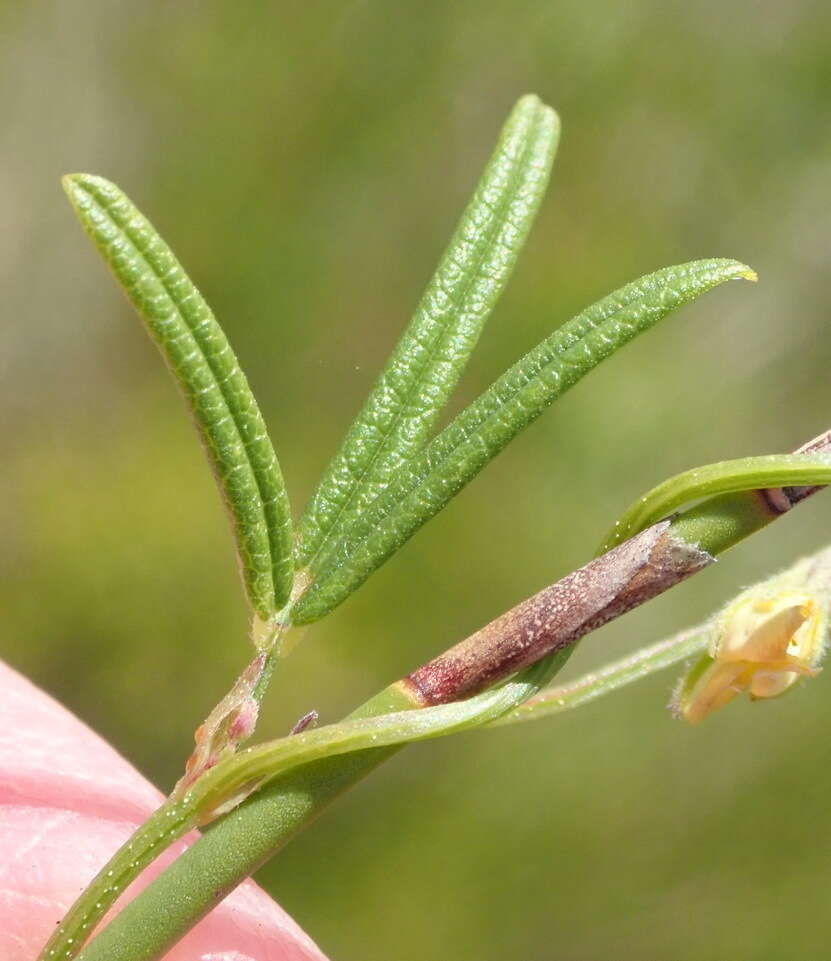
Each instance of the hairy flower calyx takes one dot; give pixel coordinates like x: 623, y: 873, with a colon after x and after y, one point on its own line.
x: 762, y: 644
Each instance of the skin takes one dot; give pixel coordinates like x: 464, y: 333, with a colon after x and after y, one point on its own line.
x: 67, y: 801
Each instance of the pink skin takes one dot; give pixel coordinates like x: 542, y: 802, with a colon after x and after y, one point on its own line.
x: 67, y: 801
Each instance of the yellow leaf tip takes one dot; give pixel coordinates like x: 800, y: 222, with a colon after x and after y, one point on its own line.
x: 740, y: 271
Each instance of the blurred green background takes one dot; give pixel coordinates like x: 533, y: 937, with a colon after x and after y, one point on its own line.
x: 308, y: 162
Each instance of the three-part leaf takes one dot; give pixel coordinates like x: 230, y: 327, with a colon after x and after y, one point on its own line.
x: 198, y: 353
x: 425, y: 485
x: 428, y: 360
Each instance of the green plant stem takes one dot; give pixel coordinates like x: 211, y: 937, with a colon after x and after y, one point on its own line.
x: 388, y: 720
x: 248, y: 836
x: 283, y: 807
x: 147, y: 928
x: 610, y: 677
x: 648, y: 556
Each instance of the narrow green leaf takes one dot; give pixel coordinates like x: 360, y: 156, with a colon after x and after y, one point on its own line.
x: 426, y: 484
x: 198, y: 353
x: 428, y: 360
x: 725, y: 477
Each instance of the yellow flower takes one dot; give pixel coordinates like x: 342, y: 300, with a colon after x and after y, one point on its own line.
x: 763, y: 642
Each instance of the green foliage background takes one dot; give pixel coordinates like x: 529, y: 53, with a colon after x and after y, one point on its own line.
x: 307, y: 163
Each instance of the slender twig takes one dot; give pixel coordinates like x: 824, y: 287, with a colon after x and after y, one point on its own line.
x: 610, y: 677
x: 623, y: 578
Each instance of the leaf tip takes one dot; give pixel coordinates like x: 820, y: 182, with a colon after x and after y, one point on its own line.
x: 74, y: 181
x: 727, y: 269
x: 78, y: 185
x: 530, y: 103
x: 736, y: 270
x: 70, y: 184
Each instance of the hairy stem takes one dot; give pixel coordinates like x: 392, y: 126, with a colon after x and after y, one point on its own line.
x: 179, y: 815
x: 610, y: 677
x: 372, y: 732
x: 543, y: 627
